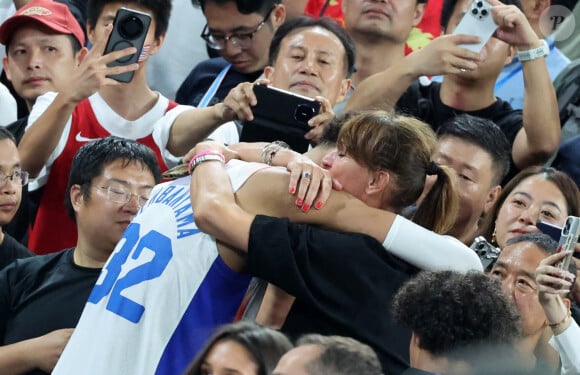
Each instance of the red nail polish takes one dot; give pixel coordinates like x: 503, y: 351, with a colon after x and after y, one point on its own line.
x: 305, y: 208
x: 292, y: 190
x: 299, y: 202
x: 318, y: 205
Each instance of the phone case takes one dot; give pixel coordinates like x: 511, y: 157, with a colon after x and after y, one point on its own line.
x: 129, y: 30
x: 568, y: 239
x: 280, y: 115
x: 477, y: 21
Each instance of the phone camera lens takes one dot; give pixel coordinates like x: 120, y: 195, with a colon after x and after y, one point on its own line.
x: 479, y: 4
x: 304, y: 113
x: 474, y: 11
x: 130, y: 27
x: 484, y: 12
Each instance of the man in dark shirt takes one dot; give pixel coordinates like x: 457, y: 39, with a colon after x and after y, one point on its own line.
x: 41, y: 298
x: 241, y: 32
x: 12, y: 178
x: 469, y: 81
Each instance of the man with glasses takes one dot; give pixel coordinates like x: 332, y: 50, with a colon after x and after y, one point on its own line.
x: 240, y: 31
x: 41, y: 298
x: 12, y: 178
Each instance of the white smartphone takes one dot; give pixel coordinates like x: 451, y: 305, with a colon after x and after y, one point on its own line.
x: 568, y: 238
x: 477, y: 21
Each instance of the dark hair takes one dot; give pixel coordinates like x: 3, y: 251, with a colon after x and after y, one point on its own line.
x: 5, y: 134
x: 341, y: 355
x: 160, y: 9
x: 329, y: 136
x: 449, y: 7
x: 90, y: 161
x: 403, y: 146
x: 563, y: 182
x: 244, y: 6
x: 302, y: 22
x: 265, y: 345
x: 451, y: 312
x: 484, y: 134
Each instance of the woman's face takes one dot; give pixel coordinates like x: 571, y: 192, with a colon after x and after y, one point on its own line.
x: 351, y: 175
x: 533, y: 199
x: 227, y: 357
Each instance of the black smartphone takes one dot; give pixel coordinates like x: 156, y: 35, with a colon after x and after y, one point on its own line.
x: 553, y: 231
x: 129, y: 30
x: 280, y: 115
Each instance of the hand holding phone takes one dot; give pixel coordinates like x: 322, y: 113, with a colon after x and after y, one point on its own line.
x: 280, y: 115
x: 129, y: 30
x: 477, y: 21
x: 568, y: 239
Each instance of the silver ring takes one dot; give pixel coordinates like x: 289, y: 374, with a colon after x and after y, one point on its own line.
x: 306, y: 175
x: 462, y: 70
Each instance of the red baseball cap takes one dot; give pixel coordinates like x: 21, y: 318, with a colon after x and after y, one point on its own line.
x: 56, y: 16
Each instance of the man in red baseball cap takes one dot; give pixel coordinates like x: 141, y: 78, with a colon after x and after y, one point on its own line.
x: 43, y: 41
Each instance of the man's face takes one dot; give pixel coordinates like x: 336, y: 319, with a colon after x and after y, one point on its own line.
x: 311, y: 62
x: 515, y: 269
x: 11, y: 192
x: 384, y: 20
x: 38, y: 61
x: 294, y: 361
x: 494, y: 55
x: 226, y: 20
x: 533, y: 199
x: 473, y: 168
x: 101, y: 220
x: 107, y: 16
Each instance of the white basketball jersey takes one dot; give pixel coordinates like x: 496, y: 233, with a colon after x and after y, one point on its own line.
x: 160, y: 295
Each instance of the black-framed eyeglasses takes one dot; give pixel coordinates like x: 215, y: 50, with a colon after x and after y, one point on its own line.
x: 241, y: 40
x: 122, y: 195
x: 18, y: 177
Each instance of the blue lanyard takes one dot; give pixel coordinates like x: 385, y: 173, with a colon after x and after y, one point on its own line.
x: 209, y: 94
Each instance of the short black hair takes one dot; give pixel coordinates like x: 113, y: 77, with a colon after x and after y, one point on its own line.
x: 92, y: 158
x: 451, y: 312
x: 449, y: 7
x: 244, y: 6
x: 5, y: 134
x: 161, y: 10
x: 341, y: 356
x: 308, y: 22
x: 484, y: 134
x: 329, y: 136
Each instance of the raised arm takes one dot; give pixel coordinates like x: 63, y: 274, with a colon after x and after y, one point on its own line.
x: 441, y: 56
x: 540, y: 136
x: 45, y: 130
x: 228, y: 217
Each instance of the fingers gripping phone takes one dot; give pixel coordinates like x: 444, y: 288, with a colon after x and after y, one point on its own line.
x: 280, y: 115
x: 568, y: 239
x: 129, y: 30
x: 478, y: 21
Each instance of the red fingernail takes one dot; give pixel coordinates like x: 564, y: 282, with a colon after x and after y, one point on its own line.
x: 305, y: 208
x: 318, y: 205
x: 292, y: 190
x: 299, y: 202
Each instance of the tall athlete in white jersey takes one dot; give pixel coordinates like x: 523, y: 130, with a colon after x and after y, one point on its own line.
x: 161, y: 249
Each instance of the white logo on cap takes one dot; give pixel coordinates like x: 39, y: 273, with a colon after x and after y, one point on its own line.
x: 36, y: 11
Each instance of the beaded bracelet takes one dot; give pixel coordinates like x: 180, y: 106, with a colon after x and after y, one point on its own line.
x: 207, y: 155
x: 270, y: 151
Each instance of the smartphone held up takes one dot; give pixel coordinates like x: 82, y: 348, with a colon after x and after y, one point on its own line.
x: 129, y: 30
x: 568, y: 239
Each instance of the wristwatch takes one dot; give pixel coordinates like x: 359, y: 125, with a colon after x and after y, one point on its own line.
x: 534, y: 53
